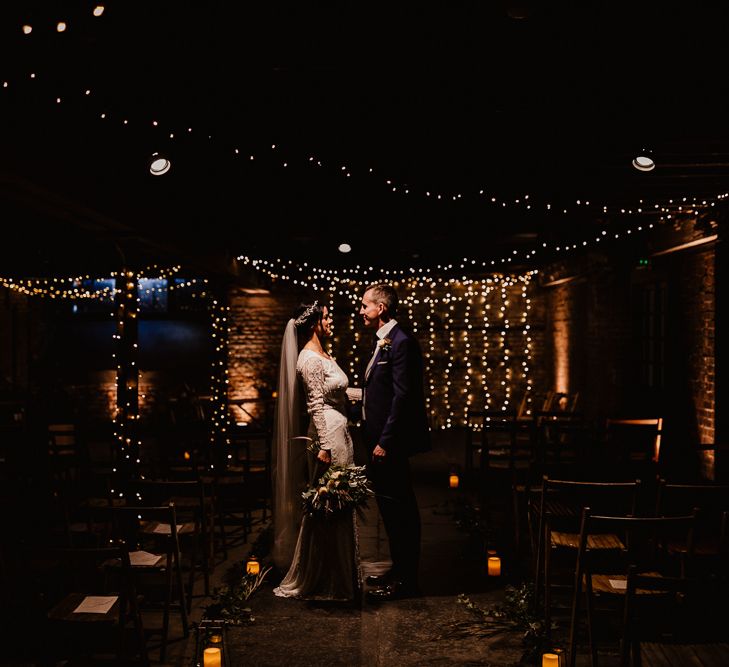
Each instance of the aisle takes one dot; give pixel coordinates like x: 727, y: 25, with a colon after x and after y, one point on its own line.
x: 405, y: 632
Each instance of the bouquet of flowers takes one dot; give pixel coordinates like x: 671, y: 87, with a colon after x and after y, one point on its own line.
x: 339, y: 488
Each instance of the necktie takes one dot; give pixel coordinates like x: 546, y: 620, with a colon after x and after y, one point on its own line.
x: 367, y: 372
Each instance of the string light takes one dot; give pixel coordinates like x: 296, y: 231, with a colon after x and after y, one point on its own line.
x: 526, y: 201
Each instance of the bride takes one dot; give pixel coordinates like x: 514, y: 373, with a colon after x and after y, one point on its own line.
x: 321, y: 554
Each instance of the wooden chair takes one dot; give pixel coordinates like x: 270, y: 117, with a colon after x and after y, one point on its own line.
x: 632, y: 447
x: 156, y: 560
x: 710, y: 533
x: 75, y: 579
x: 64, y: 452
x: 672, y: 621
x: 233, y: 506
x: 559, y: 518
x: 194, y: 511
x: 602, y: 574
x: 492, y: 436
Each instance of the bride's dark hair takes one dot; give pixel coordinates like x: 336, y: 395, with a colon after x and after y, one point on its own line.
x: 306, y: 317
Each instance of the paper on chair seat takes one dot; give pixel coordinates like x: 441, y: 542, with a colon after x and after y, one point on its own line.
x: 166, y: 529
x: 143, y: 558
x: 618, y: 584
x: 96, y: 604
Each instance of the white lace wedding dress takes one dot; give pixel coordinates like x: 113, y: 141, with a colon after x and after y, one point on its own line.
x: 326, y: 560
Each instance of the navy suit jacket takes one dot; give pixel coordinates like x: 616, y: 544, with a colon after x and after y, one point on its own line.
x: 395, y: 399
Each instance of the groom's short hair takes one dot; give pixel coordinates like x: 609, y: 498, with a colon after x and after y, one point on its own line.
x: 386, y: 295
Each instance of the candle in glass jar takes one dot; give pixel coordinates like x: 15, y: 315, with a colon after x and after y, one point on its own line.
x: 453, y: 481
x: 211, y: 657
x: 494, y: 566
x: 253, y: 566
x: 550, y: 660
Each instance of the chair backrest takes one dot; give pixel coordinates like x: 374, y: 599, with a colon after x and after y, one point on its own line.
x: 646, y: 540
x: 563, y: 500
x: 710, y: 500
x: 637, y: 439
x: 129, y: 523
x: 671, y: 611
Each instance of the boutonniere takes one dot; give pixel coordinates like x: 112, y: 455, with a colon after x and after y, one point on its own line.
x: 384, y: 344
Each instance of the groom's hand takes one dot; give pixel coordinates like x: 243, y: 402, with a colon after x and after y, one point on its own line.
x: 378, y: 454
x: 325, y: 456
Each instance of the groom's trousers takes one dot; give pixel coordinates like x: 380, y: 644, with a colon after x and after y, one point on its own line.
x: 398, y: 507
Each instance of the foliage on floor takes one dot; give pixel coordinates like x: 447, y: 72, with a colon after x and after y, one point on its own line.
x: 516, y: 614
x: 230, y: 601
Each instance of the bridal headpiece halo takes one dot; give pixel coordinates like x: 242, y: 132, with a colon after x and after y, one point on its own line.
x: 306, y: 314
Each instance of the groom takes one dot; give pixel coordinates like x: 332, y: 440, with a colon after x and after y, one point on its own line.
x: 395, y: 427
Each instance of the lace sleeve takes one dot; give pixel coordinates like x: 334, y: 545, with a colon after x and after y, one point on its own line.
x: 312, y: 373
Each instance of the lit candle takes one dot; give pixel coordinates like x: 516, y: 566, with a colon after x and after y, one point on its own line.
x: 494, y: 566
x: 211, y: 657
x: 253, y: 566
x: 453, y: 481
x: 187, y: 456
x: 550, y: 660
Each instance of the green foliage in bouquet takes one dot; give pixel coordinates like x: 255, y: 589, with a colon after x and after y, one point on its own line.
x: 339, y: 488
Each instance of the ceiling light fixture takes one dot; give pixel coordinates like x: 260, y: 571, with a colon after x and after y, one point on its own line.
x: 98, y: 10
x: 27, y: 29
x: 159, y: 164
x: 61, y: 26
x: 643, y: 161
x: 345, y: 247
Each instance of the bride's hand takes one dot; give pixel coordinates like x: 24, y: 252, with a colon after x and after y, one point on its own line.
x: 325, y: 456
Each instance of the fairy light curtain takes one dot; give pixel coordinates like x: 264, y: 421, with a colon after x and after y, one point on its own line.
x: 475, y: 332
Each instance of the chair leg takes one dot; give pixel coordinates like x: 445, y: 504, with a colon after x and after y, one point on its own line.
x: 590, y: 606
x: 183, y: 601
x: 193, y: 566
x: 538, y: 569
x: 166, y: 611
x: 547, y: 589
x: 573, y: 617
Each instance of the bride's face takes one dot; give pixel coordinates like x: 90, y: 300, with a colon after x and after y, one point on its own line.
x: 324, y: 328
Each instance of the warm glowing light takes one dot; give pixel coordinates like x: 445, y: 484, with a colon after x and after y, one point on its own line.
x: 345, y: 247
x: 253, y: 566
x: 211, y: 657
x: 453, y: 481
x: 61, y: 26
x: 98, y: 10
x: 494, y: 566
x: 27, y: 29
x: 186, y: 456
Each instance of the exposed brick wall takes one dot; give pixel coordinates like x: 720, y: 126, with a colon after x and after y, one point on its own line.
x: 698, y: 297
x: 257, y: 321
x: 594, y: 338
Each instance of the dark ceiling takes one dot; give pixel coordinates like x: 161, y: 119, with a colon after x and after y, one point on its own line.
x: 450, y: 98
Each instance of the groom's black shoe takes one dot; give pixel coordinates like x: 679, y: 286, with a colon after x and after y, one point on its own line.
x: 395, y: 590
x: 379, y: 579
